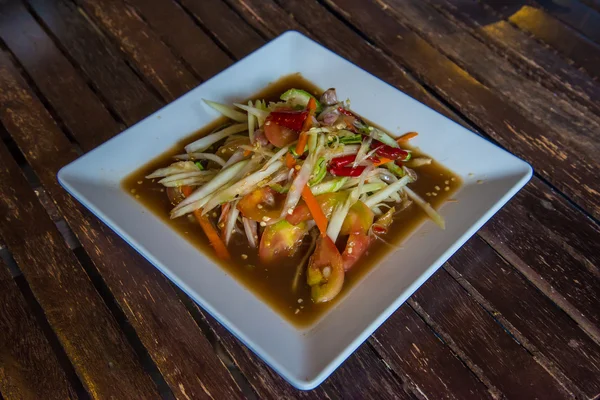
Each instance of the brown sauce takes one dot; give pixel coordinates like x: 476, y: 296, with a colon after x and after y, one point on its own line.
x: 273, y: 283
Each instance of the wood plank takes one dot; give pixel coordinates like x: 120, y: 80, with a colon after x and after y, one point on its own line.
x: 482, y: 343
x: 53, y: 74
x: 29, y: 368
x: 537, y: 322
x: 362, y: 375
x: 577, y: 15
x: 546, y: 66
x: 427, y: 365
x: 565, y: 262
x: 156, y: 62
x: 163, y: 324
x: 101, y: 63
x: 570, y: 125
x: 101, y: 356
x: 491, y: 112
x: 181, y: 33
x: 235, y: 35
x: 581, y: 51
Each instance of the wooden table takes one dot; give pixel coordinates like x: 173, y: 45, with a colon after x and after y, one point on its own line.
x: 514, y: 314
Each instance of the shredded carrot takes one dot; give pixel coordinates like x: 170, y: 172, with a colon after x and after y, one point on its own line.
x: 247, y: 153
x: 290, y: 161
x: 406, y: 137
x: 303, y: 138
x: 208, y: 228
x: 311, y: 107
x: 213, y: 236
x: 381, y: 161
x: 315, y: 210
x: 186, y: 190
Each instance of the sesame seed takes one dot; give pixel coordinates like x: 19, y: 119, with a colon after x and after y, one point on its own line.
x: 140, y: 182
x: 297, y: 311
x: 137, y: 196
x: 453, y: 179
x: 428, y: 194
x: 214, y: 214
x: 434, y: 194
x: 297, y: 167
x: 326, y: 271
x: 447, y: 182
x: 300, y: 301
x: 222, y: 225
x: 263, y: 223
x: 268, y: 123
x: 437, y: 187
x: 350, y: 250
x: 244, y: 256
x: 447, y: 188
x: 132, y: 190
x: 290, y: 211
x: 162, y: 189
x: 259, y: 206
x: 265, y: 218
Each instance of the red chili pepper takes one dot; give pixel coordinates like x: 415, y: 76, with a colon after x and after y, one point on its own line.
x: 290, y: 119
x: 342, y: 110
x: 345, y: 160
x: 347, y: 171
x: 384, y: 150
x: 342, y: 161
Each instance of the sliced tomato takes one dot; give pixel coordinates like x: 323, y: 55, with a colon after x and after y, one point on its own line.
x: 279, y: 136
x: 280, y: 240
x: 357, y: 245
x: 327, y: 201
x: 359, y: 219
x: 325, y: 273
x: 262, y: 204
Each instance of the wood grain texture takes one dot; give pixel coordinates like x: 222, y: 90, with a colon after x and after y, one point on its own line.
x: 427, y: 365
x: 52, y: 73
x: 103, y: 360
x: 235, y: 35
x: 569, y: 126
x: 572, y: 45
x: 156, y: 62
x: 361, y: 376
x: 564, y: 264
x: 576, y: 14
x: 28, y: 366
x: 491, y: 112
x: 163, y: 324
x: 101, y: 63
x: 541, y: 104
x: 482, y: 343
x: 546, y: 65
x: 184, y: 36
x: 509, y: 297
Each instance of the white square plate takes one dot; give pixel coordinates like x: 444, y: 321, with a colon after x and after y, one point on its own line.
x: 304, y: 357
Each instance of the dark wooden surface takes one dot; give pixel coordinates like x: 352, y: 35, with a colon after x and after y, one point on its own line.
x: 514, y: 314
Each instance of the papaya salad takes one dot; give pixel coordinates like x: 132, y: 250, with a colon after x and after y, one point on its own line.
x: 304, y: 182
